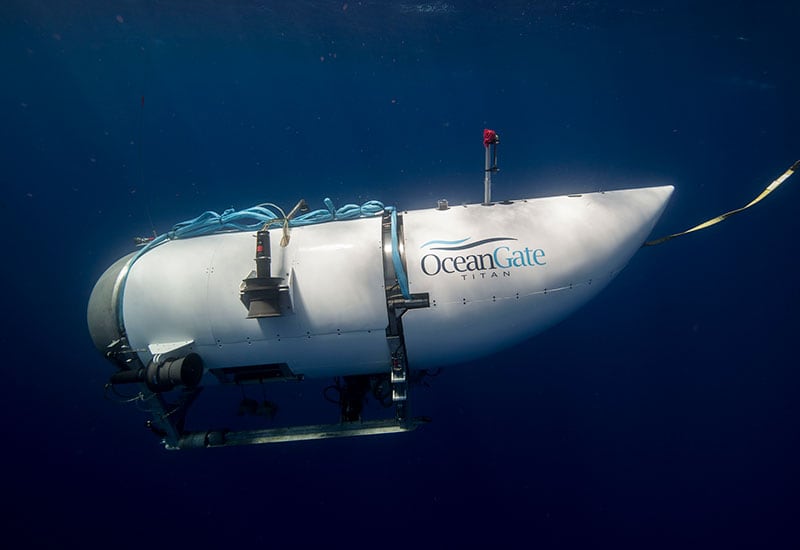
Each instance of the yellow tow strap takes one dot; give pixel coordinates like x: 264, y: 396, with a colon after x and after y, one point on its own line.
x: 770, y: 188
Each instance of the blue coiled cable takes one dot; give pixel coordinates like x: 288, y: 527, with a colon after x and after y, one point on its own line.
x: 256, y: 217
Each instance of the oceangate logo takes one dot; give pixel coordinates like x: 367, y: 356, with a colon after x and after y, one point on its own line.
x: 443, y: 257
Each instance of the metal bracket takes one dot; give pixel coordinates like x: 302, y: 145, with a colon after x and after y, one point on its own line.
x: 169, y: 347
x: 396, y: 306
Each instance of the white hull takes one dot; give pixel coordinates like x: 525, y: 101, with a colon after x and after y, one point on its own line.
x: 540, y: 260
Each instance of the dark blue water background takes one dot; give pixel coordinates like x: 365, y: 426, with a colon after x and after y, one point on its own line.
x: 663, y: 414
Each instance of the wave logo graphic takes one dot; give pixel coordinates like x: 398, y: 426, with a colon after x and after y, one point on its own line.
x: 503, y: 257
x: 458, y: 245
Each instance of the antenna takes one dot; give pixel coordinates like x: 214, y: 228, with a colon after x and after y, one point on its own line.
x: 490, y: 142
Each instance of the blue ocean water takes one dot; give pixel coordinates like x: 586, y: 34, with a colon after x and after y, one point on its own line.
x: 662, y: 414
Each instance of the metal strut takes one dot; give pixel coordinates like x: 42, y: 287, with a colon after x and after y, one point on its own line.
x: 167, y: 419
x: 490, y: 143
x: 398, y: 301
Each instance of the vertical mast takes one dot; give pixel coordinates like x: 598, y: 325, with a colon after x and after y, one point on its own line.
x: 490, y: 142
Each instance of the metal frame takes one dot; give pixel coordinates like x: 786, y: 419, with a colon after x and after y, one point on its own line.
x: 168, y: 418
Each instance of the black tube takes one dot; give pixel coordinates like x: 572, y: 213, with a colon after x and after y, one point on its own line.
x: 160, y: 377
x: 127, y: 377
x: 186, y: 371
x: 263, y: 254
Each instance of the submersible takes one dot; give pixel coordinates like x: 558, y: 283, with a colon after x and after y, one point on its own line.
x: 367, y: 295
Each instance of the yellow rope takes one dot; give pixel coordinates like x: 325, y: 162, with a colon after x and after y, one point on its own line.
x: 769, y: 189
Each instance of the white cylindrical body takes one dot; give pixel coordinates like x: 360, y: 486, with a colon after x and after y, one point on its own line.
x: 495, y: 275
x: 336, y: 320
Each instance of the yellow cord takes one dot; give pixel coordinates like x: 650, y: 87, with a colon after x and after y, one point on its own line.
x: 769, y: 189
